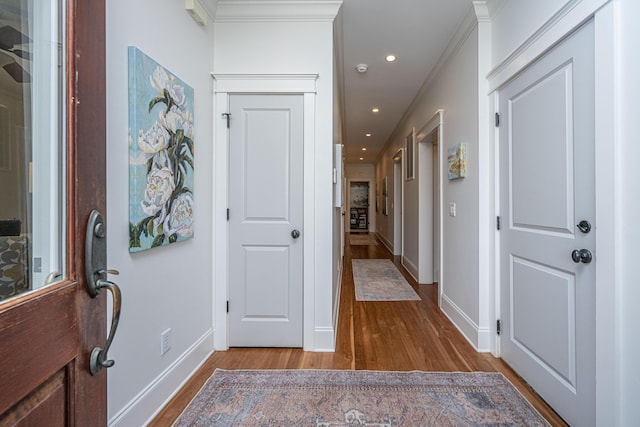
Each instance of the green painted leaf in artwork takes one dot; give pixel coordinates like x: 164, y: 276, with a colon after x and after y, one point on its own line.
x: 134, y: 236
x: 149, y: 228
x: 189, y: 143
x: 159, y: 229
x: 189, y: 161
x: 179, y: 136
x: 158, y: 241
x: 155, y: 101
x: 173, y: 238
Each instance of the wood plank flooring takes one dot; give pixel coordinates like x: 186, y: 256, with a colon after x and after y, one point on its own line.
x: 387, y: 336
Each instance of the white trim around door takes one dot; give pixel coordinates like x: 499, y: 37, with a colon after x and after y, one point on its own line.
x: 224, y: 86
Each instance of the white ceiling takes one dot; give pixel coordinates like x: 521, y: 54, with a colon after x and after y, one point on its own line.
x: 417, y: 32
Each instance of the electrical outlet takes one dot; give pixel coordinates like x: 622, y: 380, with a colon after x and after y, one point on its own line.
x: 165, y: 341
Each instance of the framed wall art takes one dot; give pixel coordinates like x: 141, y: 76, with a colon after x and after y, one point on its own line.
x: 457, y: 161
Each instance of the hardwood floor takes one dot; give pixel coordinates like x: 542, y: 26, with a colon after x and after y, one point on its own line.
x: 388, y: 336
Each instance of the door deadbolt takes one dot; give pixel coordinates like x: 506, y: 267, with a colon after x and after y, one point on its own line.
x: 584, y: 226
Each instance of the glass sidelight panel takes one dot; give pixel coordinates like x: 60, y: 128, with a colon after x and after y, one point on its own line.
x: 32, y: 149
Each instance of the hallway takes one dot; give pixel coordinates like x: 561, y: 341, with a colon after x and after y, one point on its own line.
x: 387, y: 336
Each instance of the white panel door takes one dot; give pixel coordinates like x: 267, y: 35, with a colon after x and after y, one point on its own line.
x: 265, y: 201
x: 547, y: 189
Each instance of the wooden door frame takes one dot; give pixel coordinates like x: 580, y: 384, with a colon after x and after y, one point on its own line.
x: 226, y: 85
x: 68, y: 303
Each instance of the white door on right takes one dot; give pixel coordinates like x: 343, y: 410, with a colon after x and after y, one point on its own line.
x: 547, y: 193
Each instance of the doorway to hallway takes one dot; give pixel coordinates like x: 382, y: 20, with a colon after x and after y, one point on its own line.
x: 359, y: 206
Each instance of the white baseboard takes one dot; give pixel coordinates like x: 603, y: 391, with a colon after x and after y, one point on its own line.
x: 410, y: 267
x: 324, y: 339
x: 148, y: 403
x: 477, y: 337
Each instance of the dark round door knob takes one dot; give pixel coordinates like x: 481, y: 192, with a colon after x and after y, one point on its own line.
x: 295, y: 234
x: 581, y: 256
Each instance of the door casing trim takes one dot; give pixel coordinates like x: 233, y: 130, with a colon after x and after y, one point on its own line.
x: 225, y: 85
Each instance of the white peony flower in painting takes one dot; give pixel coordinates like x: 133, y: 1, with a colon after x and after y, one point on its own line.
x: 161, y: 159
x: 176, y: 119
x: 161, y: 82
x: 153, y: 140
x: 159, y: 188
x: 180, y: 219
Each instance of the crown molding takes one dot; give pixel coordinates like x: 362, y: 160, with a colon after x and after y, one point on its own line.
x: 481, y: 9
x: 277, y: 10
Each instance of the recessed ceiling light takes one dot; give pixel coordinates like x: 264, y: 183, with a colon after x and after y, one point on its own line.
x: 364, y: 148
x: 361, y: 158
x: 391, y: 58
x: 367, y: 134
x: 375, y: 110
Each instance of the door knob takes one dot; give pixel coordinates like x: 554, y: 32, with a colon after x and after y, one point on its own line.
x: 295, y: 234
x: 581, y: 256
x: 584, y: 226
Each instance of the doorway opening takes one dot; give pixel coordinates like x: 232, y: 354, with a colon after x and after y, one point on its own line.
x: 428, y: 141
x: 359, y: 207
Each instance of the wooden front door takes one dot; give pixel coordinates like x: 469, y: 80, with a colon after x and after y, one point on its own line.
x: 49, y: 328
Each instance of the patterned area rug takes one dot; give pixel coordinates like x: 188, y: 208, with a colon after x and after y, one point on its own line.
x: 358, y: 399
x: 380, y: 280
x: 362, y: 239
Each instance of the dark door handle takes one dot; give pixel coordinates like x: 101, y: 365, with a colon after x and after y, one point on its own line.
x: 96, y: 272
x: 295, y: 234
x: 581, y: 256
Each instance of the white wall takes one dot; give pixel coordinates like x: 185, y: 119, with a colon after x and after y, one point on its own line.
x: 167, y: 287
x: 250, y: 45
x: 515, y: 21
x: 455, y: 90
x: 628, y: 211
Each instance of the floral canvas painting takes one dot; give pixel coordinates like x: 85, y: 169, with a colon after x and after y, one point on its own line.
x: 161, y: 155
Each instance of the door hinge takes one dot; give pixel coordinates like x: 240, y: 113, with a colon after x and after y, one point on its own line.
x: 227, y: 214
x: 498, y: 327
x: 497, y: 119
x: 498, y: 223
x: 227, y: 116
x: 227, y: 306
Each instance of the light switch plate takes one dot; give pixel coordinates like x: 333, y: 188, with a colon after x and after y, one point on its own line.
x: 452, y: 209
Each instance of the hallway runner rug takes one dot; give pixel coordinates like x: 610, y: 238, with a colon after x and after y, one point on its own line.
x: 358, y: 398
x: 362, y: 239
x: 380, y: 280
